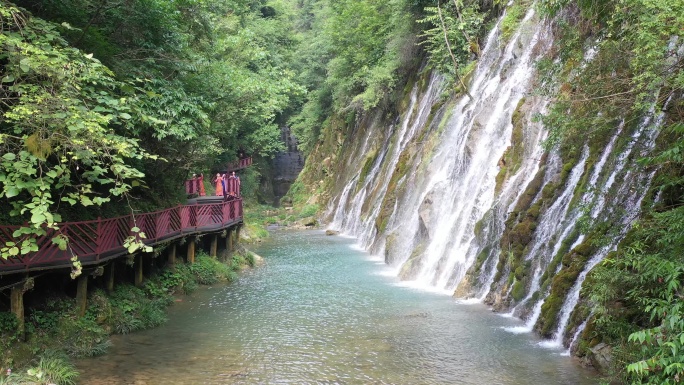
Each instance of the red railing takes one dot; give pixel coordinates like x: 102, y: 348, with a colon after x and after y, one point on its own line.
x: 194, y: 186
x: 99, y: 240
x: 239, y: 164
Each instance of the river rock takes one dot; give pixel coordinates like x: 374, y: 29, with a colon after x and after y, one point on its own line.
x: 332, y: 232
x: 424, y: 215
x: 601, y: 357
x: 463, y: 290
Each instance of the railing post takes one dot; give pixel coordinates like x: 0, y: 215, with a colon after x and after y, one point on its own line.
x: 98, y: 241
x: 157, y: 227
x: 179, y: 211
x: 194, y: 209
x: 184, y: 215
x: 224, y: 220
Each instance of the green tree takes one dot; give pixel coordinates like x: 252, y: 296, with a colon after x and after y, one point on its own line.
x: 62, y: 128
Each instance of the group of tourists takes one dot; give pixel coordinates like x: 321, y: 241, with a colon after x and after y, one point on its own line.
x: 227, y: 186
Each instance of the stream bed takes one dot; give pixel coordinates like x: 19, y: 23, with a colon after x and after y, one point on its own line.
x: 321, y: 311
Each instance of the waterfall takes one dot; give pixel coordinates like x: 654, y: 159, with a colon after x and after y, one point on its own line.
x: 455, y: 185
x: 632, y: 188
x: 348, y: 213
x: 431, y: 193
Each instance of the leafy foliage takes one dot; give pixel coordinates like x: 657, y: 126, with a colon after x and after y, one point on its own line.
x: 60, y: 128
x: 208, y: 271
x: 451, y: 35
x: 355, y: 53
x: 52, y: 368
x: 634, y: 67
x: 106, y: 103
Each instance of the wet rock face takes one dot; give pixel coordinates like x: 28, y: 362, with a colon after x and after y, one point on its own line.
x: 287, y: 164
x: 601, y: 357
x: 424, y: 215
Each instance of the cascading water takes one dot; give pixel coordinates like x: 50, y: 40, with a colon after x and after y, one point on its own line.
x: 348, y: 214
x: 632, y: 188
x: 456, y: 184
x: 434, y: 196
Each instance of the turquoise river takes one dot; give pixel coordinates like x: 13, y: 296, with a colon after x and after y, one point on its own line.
x: 320, y: 311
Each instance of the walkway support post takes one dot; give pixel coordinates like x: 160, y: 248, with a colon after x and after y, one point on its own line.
x: 191, y: 250
x: 81, y: 294
x: 230, y: 244
x: 109, y: 276
x: 138, y: 270
x: 237, y: 234
x: 213, y: 249
x: 17, y: 305
x: 172, y: 256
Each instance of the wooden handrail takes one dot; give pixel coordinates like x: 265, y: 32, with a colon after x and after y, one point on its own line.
x: 102, y: 239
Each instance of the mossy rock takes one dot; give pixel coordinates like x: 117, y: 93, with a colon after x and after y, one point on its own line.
x: 481, y: 258
x: 520, y: 272
x: 549, y: 190
x: 510, y: 280
x: 518, y: 291
x: 522, y: 233
x: 548, y: 319
x: 531, y: 191
x: 367, y: 165
x: 534, y: 210
x: 501, y: 177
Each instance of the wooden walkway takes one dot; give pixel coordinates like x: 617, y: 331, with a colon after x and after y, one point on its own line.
x: 95, y: 242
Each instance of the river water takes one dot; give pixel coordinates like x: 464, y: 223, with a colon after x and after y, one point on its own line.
x: 320, y: 311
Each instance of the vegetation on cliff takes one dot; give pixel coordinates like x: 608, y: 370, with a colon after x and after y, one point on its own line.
x: 635, y: 294
x: 614, y: 63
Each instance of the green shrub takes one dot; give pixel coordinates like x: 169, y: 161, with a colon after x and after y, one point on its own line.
x: 208, y: 271
x: 133, y: 310
x: 52, y: 368
x: 518, y: 291
x: 56, y: 368
x: 308, y: 210
x: 8, y: 324
x: 514, y: 15
x: 251, y: 259
x: 237, y: 262
x: 82, y: 337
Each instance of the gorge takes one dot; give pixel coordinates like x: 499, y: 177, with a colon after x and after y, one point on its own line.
x: 470, y: 196
x: 520, y: 156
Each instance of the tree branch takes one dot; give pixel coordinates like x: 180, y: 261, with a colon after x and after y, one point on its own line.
x: 451, y: 53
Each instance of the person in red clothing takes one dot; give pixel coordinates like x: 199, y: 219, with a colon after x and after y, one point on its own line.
x: 236, y: 179
x: 219, y: 185
x: 200, y: 181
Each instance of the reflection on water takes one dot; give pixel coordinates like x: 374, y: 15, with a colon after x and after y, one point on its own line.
x: 322, y: 312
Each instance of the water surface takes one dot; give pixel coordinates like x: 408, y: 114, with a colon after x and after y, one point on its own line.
x: 322, y: 312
